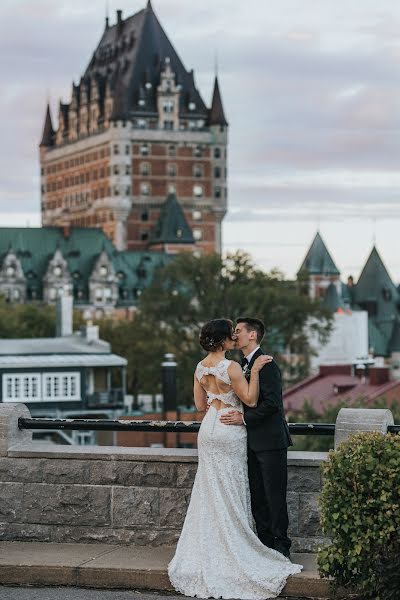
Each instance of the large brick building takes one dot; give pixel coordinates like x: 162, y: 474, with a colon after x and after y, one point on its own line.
x: 136, y: 131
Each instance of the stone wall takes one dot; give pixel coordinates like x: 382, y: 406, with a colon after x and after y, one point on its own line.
x: 48, y: 494
x: 103, y: 494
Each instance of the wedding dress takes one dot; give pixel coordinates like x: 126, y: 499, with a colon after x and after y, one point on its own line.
x: 219, y: 554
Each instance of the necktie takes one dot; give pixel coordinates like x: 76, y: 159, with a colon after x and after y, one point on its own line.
x: 245, y: 362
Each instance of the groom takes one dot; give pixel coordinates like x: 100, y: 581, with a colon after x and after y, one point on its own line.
x: 267, y: 441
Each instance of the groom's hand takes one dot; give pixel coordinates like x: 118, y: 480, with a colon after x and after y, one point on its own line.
x: 232, y: 417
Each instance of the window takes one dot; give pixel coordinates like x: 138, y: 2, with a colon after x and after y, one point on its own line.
x: 168, y: 125
x: 198, y: 151
x: 127, y: 150
x: 10, y: 271
x: 192, y: 106
x: 127, y: 169
x: 198, y: 171
x: 141, y: 123
x: 144, y: 169
x: 197, y: 191
x: 144, y: 150
x: 197, y: 215
x: 172, y: 150
x: 217, y: 152
x: 171, y: 170
x: 168, y: 106
x: 217, y: 172
x: 197, y: 234
x: 116, y: 149
x: 61, y: 386
x: 116, y: 170
x: 144, y: 236
x: 103, y: 271
x: 144, y: 216
x: 24, y: 387
x: 171, y: 188
x: 217, y: 192
x: 145, y: 189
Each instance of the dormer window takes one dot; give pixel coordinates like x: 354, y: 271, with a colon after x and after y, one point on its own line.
x: 168, y: 106
x: 192, y: 106
x: 179, y: 233
x: 10, y: 271
x: 103, y: 271
x: 57, y: 271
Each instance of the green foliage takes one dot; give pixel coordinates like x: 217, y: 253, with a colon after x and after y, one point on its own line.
x: 360, y: 511
x: 29, y: 320
x: 192, y: 290
x: 308, y: 414
x: 142, y: 346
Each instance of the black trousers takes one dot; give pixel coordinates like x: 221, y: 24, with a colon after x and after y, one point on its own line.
x: 268, y: 484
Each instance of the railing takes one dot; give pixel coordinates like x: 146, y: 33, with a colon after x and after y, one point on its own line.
x: 110, y: 399
x: 162, y: 426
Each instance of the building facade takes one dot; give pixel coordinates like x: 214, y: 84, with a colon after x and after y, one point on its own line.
x: 43, y: 264
x: 373, y: 293
x: 135, y: 131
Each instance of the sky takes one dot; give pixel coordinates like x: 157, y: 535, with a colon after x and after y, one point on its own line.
x: 311, y: 90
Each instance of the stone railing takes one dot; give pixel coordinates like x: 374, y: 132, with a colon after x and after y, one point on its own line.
x: 123, y: 495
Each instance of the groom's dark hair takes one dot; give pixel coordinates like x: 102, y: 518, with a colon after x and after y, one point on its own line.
x: 253, y: 324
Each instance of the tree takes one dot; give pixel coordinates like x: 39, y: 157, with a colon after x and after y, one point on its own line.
x: 192, y: 290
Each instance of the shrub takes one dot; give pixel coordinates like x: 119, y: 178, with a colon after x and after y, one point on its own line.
x: 360, y: 512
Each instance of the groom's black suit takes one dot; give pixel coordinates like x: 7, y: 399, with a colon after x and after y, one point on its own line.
x: 268, y: 439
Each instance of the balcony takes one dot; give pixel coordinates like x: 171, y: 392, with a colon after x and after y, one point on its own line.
x: 110, y: 399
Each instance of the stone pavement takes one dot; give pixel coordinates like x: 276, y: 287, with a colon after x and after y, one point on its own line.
x: 116, y: 567
x: 13, y: 593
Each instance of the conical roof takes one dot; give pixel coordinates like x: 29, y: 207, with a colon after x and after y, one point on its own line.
x: 132, y: 53
x: 48, y: 131
x: 217, y: 115
x: 374, y: 280
x: 172, y: 227
x: 318, y: 261
x: 332, y: 301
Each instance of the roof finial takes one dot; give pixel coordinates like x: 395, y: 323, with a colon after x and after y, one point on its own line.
x: 107, y: 14
x: 374, y: 231
x: 216, y: 62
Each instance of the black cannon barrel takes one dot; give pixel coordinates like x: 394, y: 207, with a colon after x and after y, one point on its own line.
x: 154, y: 426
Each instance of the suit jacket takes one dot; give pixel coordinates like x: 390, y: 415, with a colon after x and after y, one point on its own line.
x: 266, y: 424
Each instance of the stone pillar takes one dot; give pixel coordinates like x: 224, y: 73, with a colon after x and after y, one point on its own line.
x: 352, y: 420
x: 10, y: 435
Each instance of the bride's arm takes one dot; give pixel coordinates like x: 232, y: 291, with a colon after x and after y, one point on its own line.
x: 200, y: 396
x: 247, y: 391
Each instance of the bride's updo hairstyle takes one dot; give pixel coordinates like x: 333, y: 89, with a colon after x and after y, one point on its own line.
x: 214, y: 333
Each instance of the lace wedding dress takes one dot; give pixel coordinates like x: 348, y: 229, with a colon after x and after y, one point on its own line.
x: 219, y: 554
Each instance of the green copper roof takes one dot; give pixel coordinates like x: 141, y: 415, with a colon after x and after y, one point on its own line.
x: 332, y: 301
x: 374, y: 280
x: 80, y: 248
x: 172, y: 227
x: 318, y: 261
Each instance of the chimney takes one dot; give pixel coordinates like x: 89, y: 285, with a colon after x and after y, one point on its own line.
x: 360, y: 372
x: 90, y: 332
x: 378, y: 375
x: 64, y: 316
x: 119, y: 21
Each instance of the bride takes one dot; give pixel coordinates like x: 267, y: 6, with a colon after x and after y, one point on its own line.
x: 219, y: 554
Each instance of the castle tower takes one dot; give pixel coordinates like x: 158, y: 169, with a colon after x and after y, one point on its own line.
x: 135, y: 131
x: 318, y: 265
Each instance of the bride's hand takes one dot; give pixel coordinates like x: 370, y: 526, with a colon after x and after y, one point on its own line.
x: 261, y: 361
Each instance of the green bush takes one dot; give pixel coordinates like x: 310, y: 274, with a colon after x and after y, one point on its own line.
x: 360, y: 512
